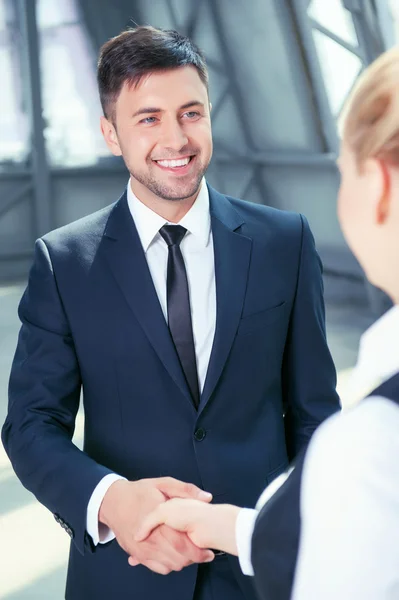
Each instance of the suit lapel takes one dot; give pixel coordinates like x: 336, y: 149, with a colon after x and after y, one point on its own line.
x: 232, y: 257
x: 125, y: 256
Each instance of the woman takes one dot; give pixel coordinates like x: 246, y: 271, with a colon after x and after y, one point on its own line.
x: 340, y: 505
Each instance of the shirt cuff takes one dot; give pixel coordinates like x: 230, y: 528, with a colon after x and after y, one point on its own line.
x: 100, y: 533
x: 245, y: 525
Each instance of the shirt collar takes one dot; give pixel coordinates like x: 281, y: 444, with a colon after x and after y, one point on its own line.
x: 148, y: 223
x: 379, y: 347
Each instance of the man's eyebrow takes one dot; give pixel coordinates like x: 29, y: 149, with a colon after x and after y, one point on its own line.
x: 152, y: 109
x: 146, y: 110
x: 192, y: 103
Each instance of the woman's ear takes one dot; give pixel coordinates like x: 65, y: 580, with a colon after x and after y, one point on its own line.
x: 383, y: 205
x: 110, y: 137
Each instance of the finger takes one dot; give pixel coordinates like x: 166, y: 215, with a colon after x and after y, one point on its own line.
x: 197, y: 555
x: 180, y: 489
x: 164, y: 547
x: 149, y: 523
x: 186, y: 552
x: 157, y: 567
x: 185, y: 546
x: 170, y: 562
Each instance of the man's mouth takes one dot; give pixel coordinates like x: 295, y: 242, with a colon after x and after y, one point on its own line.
x: 177, y: 164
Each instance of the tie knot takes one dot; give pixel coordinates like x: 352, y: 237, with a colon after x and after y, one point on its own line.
x: 173, y: 234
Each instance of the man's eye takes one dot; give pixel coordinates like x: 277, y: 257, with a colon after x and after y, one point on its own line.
x: 148, y: 120
x: 191, y: 114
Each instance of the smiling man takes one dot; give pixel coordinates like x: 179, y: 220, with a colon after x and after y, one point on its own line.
x: 160, y: 124
x: 193, y: 322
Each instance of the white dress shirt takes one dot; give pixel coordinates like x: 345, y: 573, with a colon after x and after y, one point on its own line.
x: 197, y: 251
x: 350, y: 489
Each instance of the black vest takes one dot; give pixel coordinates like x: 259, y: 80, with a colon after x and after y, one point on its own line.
x: 276, y: 535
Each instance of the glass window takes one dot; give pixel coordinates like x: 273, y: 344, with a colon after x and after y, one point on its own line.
x: 14, y: 123
x: 71, y: 105
x: 334, y: 17
x: 394, y: 6
x: 340, y: 70
x: 340, y: 66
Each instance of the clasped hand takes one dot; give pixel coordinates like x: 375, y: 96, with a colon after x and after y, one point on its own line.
x: 165, y: 524
x: 123, y: 510
x: 206, y: 525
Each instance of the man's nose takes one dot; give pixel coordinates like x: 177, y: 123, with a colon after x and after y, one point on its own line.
x: 174, y: 136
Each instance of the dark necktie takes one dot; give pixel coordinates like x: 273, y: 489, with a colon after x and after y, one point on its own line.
x: 179, y: 313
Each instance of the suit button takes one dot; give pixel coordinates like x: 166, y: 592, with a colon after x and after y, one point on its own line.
x: 200, y: 434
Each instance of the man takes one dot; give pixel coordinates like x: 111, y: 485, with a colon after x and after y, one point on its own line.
x: 200, y: 346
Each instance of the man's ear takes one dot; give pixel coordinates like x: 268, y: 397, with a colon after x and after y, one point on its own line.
x: 384, y: 203
x: 109, y: 133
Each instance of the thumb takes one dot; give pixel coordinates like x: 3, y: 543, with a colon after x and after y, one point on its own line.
x: 149, y: 523
x: 173, y: 488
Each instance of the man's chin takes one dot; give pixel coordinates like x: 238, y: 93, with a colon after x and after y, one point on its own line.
x: 171, y: 189
x: 175, y: 198
x: 178, y: 193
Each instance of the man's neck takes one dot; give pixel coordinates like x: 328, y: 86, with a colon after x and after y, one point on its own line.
x: 171, y: 210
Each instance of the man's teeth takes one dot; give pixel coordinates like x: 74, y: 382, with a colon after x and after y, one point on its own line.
x: 174, y: 163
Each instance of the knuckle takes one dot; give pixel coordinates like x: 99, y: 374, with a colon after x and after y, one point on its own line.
x: 189, y: 488
x: 168, y: 480
x: 178, y: 564
x: 158, y: 536
x: 164, y: 570
x: 180, y: 544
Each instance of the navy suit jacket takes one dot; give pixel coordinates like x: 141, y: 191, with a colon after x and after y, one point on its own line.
x: 91, y: 318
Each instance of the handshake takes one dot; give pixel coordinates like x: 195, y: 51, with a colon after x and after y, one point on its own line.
x: 166, y: 525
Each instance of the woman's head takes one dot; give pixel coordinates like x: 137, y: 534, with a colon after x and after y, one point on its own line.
x: 368, y: 205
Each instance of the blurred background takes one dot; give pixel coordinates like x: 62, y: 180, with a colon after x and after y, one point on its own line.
x: 280, y: 71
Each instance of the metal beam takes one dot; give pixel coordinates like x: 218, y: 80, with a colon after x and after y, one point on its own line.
x: 335, y: 38
x: 235, y: 88
x: 89, y: 170
x: 32, y: 75
x: 295, y: 159
x: 15, y: 198
x: 17, y: 255
x: 367, y: 30
x: 302, y: 20
x: 15, y: 174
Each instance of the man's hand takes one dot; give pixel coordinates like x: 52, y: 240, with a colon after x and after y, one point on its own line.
x: 207, y: 525
x: 123, y: 509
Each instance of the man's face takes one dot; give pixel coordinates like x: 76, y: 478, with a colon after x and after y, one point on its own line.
x: 163, y: 131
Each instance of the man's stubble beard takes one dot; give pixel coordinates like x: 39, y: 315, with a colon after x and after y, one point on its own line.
x: 161, y: 190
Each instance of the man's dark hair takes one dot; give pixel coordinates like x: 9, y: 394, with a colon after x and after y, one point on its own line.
x: 138, y: 52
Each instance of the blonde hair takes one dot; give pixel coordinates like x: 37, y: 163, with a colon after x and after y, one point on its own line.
x: 370, y: 120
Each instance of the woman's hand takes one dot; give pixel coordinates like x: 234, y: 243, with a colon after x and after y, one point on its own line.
x: 207, y: 525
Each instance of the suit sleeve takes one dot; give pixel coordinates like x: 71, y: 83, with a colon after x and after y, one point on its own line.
x: 44, y: 392
x: 308, y: 374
